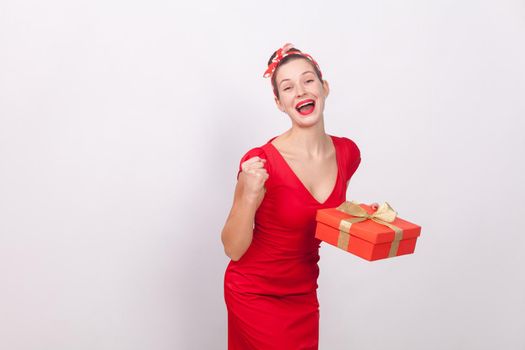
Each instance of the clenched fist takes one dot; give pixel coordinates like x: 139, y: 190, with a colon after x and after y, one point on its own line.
x: 252, y: 178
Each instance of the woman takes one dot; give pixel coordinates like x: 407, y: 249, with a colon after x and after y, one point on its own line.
x: 270, y: 284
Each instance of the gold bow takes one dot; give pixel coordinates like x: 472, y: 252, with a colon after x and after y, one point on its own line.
x: 384, y: 215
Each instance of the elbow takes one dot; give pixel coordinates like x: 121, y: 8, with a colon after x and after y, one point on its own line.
x: 235, y: 246
x: 234, y: 251
x: 234, y: 257
x: 233, y: 254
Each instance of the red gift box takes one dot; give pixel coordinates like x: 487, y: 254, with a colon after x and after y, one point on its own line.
x: 369, y: 234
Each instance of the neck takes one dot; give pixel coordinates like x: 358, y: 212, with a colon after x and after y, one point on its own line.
x: 311, y: 142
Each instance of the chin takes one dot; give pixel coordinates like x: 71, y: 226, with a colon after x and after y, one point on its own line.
x: 308, y: 120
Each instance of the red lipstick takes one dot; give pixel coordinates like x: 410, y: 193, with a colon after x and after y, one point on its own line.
x: 305, y: 107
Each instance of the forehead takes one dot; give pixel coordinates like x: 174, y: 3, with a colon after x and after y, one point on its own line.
x: 293, y: 69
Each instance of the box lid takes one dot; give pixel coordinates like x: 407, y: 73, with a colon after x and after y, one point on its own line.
x: 368, y: 230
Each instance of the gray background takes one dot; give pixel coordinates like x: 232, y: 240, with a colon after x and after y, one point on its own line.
x: 122, y: 124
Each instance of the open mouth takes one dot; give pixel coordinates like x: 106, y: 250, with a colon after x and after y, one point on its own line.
x: 305, y: 107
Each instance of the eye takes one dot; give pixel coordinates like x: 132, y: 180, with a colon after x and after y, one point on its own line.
x: 287, y: 88
x: 310, y: 81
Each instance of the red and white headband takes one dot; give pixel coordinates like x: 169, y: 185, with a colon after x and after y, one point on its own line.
x: 282, y: 53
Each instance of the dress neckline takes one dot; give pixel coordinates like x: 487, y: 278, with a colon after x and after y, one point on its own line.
x: 299, y: 180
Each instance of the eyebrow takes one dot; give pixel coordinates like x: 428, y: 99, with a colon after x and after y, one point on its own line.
x: 308, y: 71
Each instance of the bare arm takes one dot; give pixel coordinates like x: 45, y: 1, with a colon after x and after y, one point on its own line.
x: 237, y: 233
x: 238, y: 230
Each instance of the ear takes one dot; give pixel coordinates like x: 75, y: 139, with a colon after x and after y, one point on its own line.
x: 278, y: 104
x: 326, y: 87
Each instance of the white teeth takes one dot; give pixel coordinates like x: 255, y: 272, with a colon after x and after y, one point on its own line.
x: 305, y: 104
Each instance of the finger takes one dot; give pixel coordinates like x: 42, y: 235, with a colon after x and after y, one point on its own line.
x: 262, y: 173
x: 257, y: 165
x: 257, y: 171
x: 251, y: 162
x: 251, y: 169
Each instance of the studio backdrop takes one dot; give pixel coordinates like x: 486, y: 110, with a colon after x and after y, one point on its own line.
x: 121, y: 129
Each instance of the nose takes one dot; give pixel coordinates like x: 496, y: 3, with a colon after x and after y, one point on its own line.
x: 300, y: 90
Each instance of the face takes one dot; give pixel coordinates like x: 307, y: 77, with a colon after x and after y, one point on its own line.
x: 301, y: 94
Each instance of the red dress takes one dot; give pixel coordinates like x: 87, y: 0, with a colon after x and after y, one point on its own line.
x: 271, y: 291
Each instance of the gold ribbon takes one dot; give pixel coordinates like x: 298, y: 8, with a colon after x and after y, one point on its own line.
x: 384, y: 215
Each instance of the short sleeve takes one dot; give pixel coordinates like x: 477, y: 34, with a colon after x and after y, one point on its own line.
x: 256, y: 151
x: 353, y: 157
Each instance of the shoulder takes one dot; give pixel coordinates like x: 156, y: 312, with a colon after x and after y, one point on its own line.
x: 349, y: 146
x: 252, y: 152
x: 351, y: 156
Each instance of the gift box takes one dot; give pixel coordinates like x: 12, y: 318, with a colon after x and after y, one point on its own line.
x: 369, y: 234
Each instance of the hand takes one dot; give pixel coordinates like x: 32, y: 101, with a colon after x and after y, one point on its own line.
x: 252, y: 179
